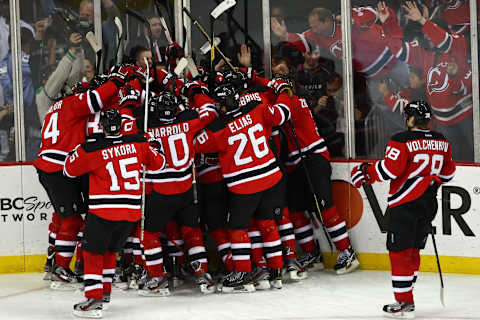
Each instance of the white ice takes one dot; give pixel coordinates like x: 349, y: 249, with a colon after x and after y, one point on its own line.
x: 359, y: 295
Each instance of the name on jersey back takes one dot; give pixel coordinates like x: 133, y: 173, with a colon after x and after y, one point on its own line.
x: 118, y: 151
x: 433, y: 145
x: 167, y: 131
x: 240, y: 123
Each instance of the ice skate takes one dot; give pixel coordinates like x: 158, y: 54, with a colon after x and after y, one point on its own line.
x: 205, y: 282
x: 261, y: 278
x: 120, y: 279
x: 90, y: 308
x: 276, y: 278
x: 346, y: 262
x: 312, y: 260
x: 133, y: 274
x: 400, y: 310
x: 106, y: 301
x: 294, y: 270
x: 155, y: 287
x: 237, y: 282
x: 48, y: 267
x: 63, y: 279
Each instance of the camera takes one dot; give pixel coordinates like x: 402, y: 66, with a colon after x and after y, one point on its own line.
x: 71, y: 21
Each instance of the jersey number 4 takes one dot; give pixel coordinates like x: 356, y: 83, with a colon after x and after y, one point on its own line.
x: 259, y: 145
x: 51, y: 131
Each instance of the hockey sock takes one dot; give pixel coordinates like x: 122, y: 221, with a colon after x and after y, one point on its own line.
x: 153, y: 253
x: 223, y: 243
x: 175, y: 242
x: 137, y: 247
x: 285, y: 229
x: 336, y: 228
x: 66, y: 240
x: 303, y: 231
x: 53, y: 229
x: 92, y: 278
x: 241, y: 248
x: 402, y: 275
x: 415, y: 264
x: 257, y: 245
x: 109, y: 262
x: 128, y: 251
x: 272, y: 245
x: 196, y: 249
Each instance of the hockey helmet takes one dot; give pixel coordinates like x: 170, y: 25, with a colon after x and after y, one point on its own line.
x: 164, y: 106
x: 227, y: 95
x: 111, y: 121
x: 237, y: 78
x: 420, y: 110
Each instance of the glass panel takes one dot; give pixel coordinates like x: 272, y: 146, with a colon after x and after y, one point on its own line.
x: 308, y: 38
x: 240, y: 25
x: 413, y: 52
x: 7, y: 134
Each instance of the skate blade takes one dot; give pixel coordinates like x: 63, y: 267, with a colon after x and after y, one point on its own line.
x: 262, y: 285
x: 154, y: 293
x: 276, y: 284
x: 61, y: 286
x: 120, y: 285
x: 296, y: 275
x: 354, y: 265
x: 91, y: 314
x: 400, y: 315
x: 47, y: 276
x: 206, y: 289
x: 239, y: 289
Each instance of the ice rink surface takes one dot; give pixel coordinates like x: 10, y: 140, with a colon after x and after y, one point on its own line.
x: 359, y: 295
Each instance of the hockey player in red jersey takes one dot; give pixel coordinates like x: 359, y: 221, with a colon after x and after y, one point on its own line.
x: 417, y: 162
x: 253, y: 179
x: 113, y: 164
x: 171, y: 194
x: 63, y: 129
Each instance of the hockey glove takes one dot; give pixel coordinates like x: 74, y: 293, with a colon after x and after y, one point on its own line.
x: 360, y: 175
x: 120, y: 74
x: 190, y: 89
x: 131, y: 95
x: 281, y: 84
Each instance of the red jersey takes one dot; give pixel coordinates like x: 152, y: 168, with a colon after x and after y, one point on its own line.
x: 129, y: 123
x: 240, y: 138
x: 308, y: 137
x: 371, y: 54
x: 450, y: 98
x: 177, y: 137
x: 412, y: 160
x: 114, y: 164
x: 64, y: 125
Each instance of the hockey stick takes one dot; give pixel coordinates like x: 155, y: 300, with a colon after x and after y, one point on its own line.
x: 207, y: 36
x: 119, y: 52
x: 96, y: 47
x: 442, y: 300
x: 145, y: 128
x: 310, y: 185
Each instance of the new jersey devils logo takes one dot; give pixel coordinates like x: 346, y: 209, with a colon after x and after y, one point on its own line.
x: 336, y: 48
x: 437, y: 79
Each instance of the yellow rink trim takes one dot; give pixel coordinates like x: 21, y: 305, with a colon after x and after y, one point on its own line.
x: 368, y: 261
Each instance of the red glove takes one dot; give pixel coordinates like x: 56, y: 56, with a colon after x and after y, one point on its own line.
x: 131, y: 95
x: 359, y: 175
x: 280, y: 84
x: 190, y: 89
x: 122, y: 73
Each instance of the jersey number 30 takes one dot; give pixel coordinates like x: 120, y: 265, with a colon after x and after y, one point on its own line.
x: 259, y: 145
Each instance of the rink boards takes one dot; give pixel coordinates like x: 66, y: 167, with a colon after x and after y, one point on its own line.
x: 25, y: 213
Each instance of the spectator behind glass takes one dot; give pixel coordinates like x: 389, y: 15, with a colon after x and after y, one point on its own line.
x: 32, y: 122
x: 68, y: 72
x: 142, y: 39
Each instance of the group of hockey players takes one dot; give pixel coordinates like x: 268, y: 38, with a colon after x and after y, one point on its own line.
x: 237, y: 159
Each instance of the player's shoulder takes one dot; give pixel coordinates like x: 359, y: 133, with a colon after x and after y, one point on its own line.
x: 222, y: 122
x: 406, y: 136
x: 186, y: 115
x: 132, y: 138
x: 94, y: 144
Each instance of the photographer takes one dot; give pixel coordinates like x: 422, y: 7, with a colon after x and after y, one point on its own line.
x: 68, y: 72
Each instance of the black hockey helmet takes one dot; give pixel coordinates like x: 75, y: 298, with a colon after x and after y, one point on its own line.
x: 420, y: 110
x: 111, y: 121
x: 237, y: 78
x: 164, y: 106
x: 98, y: 80
x: 227, y: 95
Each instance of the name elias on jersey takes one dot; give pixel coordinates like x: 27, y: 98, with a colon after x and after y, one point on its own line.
x: 240, y: 123
x: 249, y: 97
x: 56, y: 106
x: 118, y: 151
x: 434, y: 145
x: 170, y: 130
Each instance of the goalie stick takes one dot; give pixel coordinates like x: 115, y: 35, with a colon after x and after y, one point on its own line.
x: 97, y: 48
x: 119, y: 51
